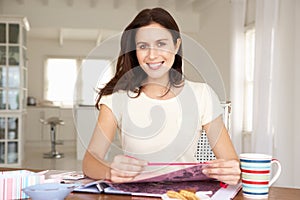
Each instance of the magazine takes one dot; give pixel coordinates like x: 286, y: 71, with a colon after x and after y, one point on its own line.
x: 188, y: 178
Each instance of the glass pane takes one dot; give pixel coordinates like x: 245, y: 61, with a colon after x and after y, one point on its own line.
x: 2, y: 55
x: 58, y: 86
x: 2, y: 99
x: 14, y: 56
x: 13, y: 123
x: 13, y: 99
x: 2, y: 33
x: 13, y: 33
x: 24, y: 99
x: 3, y: 77
x: 24, y: 37
x: 2, y: 152
x: 24, y: 78
x: 12, y: 152
x: 24, y: 58
x: 13, y: 77
x: 2, y: 127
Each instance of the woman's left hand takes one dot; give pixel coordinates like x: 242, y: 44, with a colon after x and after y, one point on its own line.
x: 226, y: 171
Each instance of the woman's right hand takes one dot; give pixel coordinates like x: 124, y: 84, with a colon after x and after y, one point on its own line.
x: 125, y: 168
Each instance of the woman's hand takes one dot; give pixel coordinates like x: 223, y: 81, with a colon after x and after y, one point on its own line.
x: 125, y: 168
x: 227, y: 171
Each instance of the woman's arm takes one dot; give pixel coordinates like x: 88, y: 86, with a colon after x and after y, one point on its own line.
x: 123, y: 168
x: 94, y: 164
x: 226, y: 168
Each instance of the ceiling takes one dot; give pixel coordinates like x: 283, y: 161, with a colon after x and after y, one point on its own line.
x: 61, y: 34
x: 179, y: 4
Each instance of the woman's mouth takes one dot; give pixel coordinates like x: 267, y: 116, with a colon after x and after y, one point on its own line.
x: 155, y: 66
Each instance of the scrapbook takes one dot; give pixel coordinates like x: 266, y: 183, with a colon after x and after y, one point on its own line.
x: 189, y: 178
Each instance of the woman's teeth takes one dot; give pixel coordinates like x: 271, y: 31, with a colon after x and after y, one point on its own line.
x: 154, y: 65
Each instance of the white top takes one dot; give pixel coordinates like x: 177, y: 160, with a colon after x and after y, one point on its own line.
x: 164, y: 130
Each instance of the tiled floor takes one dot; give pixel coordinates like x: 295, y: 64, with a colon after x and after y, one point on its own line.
x: 35, y: 160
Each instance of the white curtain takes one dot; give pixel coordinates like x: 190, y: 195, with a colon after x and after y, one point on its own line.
x: 276, y: 105
x: 264, y: 75
x: 275, y: 125
x: 238, y: 9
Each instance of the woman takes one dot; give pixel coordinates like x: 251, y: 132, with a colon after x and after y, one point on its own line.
x: 158, y: 113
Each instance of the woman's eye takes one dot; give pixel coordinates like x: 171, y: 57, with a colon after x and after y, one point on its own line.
x: 142, y: 46
x: 161, y: 44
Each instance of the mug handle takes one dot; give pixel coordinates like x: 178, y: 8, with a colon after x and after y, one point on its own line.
x: 276, y: 176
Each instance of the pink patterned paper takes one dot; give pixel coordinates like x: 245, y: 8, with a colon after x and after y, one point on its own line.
x: 190, y: 178
x: 160, y: 188
x: 193, y: 173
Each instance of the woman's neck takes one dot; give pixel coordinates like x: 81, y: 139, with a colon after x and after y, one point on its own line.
x: 156, y: 88
x: 160, y: 89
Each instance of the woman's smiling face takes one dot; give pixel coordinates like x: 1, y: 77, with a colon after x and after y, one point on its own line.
x: 156, y: 51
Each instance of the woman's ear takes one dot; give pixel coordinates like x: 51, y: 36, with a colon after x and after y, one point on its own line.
x: 178, y: 43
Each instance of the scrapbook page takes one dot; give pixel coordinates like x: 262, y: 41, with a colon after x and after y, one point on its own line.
x: 190, y: 178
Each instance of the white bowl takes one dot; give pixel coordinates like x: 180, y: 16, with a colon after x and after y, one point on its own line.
x: 49, y: 191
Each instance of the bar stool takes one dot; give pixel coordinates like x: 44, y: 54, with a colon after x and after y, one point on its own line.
x: 53, y: 122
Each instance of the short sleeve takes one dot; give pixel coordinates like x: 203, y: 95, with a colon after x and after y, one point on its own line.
x: 106, y: 100
x: 113, y: 102
x: 212, y: 107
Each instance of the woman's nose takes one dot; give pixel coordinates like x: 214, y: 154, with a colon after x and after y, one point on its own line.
x: 153, y: 52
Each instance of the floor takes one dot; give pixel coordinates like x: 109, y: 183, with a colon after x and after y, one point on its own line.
x: 35, y: 160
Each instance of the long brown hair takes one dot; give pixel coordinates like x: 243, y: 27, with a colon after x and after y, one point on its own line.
x: 129, y: 75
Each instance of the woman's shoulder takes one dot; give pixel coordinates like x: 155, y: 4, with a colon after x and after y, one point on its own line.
x: 120, y: 95
x: 117, y: 95
x: 200, y: 88
x: 196, y: 85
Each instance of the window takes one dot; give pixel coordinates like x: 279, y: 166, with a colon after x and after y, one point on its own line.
x: 65, y: 78
x: 60, y: 78
x: 249, y: 75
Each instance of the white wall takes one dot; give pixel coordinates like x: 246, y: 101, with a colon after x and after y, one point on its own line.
x: 296, y: 115
x: 214, y: 36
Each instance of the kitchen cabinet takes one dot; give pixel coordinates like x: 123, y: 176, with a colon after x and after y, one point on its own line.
x: 86, y: 119
x: 13, y: 88
x: 68, y: 130
x: 10, y: 139
x: 34, y: 129
x: 37, y: 134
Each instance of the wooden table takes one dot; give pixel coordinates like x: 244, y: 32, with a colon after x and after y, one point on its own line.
x: 277, y: 193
